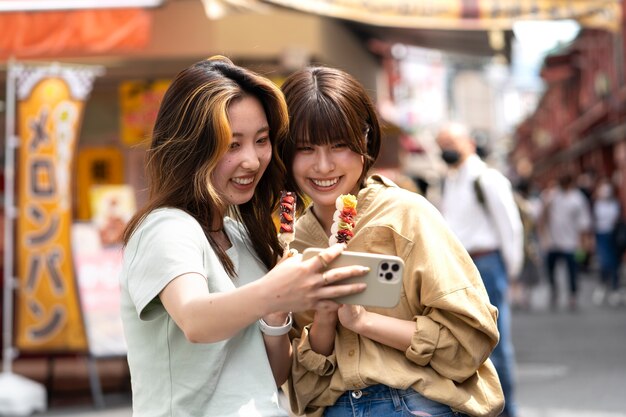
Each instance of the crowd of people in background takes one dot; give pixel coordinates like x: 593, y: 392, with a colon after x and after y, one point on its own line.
x: 575, y: 222
x: 519, y: 234
x: 578, y: 222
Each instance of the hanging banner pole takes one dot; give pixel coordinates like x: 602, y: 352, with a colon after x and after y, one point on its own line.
x: 9, y: 216
x: 19, y: 396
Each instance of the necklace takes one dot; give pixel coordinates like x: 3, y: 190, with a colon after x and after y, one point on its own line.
x: 221, y: 238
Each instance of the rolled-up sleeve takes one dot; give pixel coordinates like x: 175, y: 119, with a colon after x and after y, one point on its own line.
x: 456, y: 326
x: 424, y: 341
x: 309, y: 359
x: 311, y: 373
x: 456, y: 335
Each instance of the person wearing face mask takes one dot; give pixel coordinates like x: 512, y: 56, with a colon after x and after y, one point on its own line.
x: 478, y: 204
x: 606, y: 213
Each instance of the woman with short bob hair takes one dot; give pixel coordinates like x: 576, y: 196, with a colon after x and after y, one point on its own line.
x: 428, y: 355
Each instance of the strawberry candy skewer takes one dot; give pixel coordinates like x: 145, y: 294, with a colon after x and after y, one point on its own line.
x: 287, y: 217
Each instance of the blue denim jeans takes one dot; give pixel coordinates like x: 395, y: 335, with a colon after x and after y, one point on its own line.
x: 493, y: 273
x: 383, y: 401
x: 552, y: 258
x: 609, y: 260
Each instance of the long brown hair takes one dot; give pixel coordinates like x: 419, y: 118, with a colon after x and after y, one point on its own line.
x: 190, y: 136
x: 325, y: 105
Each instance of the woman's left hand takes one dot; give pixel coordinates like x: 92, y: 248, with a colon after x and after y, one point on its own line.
x: 352, y: 317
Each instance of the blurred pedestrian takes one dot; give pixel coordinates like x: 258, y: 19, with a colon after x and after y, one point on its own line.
x: 478, y: 204
x: 568, y: 223
x: 606, y: 214
x: 532, y: 267
x: 205, y: 322
x: 427, y: 356
x: 586, y: 182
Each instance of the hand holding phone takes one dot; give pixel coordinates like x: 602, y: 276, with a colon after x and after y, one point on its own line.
x: 384, y: 281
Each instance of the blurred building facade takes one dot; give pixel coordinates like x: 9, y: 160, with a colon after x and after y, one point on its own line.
x: 579, y: 125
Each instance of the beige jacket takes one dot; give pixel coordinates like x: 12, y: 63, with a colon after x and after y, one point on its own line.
x: 455, y: 325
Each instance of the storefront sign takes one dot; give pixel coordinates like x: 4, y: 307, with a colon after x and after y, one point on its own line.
x: 97, y: 270
x: 139, y: 105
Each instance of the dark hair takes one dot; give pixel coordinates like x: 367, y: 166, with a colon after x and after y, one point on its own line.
x: 192, y: 133
x: 327, y: 104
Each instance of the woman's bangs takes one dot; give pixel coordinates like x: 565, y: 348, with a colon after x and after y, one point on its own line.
x: 320, y: 125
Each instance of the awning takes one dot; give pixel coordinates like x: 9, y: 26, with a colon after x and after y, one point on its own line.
x: 462, y: 26
x: 460, y: 14
x: 58, y: 28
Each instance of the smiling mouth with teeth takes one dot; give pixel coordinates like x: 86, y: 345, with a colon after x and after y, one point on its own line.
x: 325, y: 183
x: 243, y: 181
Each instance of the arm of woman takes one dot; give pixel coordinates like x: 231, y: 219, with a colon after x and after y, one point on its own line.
x: 452, y: 341
x: 323, y: 330
x: 450, y: 324
x: 390, y: 331
x: 455, y: 335
x: 293, y: 285
x: 321, y: 337
x: 311, y: 372
x: 455, y: 325
x: 278, y: 349
x: 187, y: 299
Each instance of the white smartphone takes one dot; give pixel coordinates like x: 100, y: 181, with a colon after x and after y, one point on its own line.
x: 384, y: 281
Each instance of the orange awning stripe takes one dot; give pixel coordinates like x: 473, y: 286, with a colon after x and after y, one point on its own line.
x: 62, y: 33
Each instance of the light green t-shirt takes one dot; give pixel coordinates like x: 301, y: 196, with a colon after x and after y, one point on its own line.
x: 171, y: 376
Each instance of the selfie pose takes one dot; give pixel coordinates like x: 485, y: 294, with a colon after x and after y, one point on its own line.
x: 205, y: 322
x: 428, y: 355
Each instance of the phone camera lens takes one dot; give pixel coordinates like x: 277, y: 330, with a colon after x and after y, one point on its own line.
x: 395, y: 267
x: 388, y: 276
x: 384, y: 266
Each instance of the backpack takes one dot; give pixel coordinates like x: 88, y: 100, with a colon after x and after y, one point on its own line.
x: 531, y: 251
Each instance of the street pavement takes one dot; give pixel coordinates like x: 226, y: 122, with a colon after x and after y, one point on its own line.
x: 569, y: 363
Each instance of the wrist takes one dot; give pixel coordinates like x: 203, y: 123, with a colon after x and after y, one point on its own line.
x: 360, y: 324
x: 275, y: 319
x: 326, y: 317
x: 281, y: 330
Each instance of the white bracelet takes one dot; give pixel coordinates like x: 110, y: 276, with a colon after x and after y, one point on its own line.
x: 276, y: 330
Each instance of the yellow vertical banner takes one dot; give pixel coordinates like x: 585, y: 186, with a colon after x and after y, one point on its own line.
x: 49, y: 108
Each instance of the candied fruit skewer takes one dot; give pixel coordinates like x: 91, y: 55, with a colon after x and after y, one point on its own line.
x: 287, y: 217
